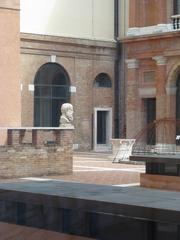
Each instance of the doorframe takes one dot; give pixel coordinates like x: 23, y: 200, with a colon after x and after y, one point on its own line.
x: 107, y: 146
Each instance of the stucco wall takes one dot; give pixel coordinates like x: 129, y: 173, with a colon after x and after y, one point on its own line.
x: 10, y: 64
x: 82, y: 19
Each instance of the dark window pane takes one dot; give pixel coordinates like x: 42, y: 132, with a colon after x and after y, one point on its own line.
x: 176, y: 6
x: 59, y: 91
x: 103, y: 80
x: 45, y: 91
x: 51, y: 90
x: 101, y: 127
x: 151, y: 116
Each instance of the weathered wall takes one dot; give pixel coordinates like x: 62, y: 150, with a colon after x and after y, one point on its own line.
x: 25, y: 156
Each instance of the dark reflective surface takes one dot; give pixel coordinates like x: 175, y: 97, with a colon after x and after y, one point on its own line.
x: 92, y: 211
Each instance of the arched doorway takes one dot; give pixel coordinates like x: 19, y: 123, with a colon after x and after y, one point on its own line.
x: 102, y: 117
x: 51, y: 91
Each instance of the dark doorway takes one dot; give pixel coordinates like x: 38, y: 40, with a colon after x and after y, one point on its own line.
x: 101, y: 127
x: 51, y: 91
x: 151, y: 116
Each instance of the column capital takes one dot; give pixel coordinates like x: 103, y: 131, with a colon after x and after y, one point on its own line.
x: 160, y: 60
x: 132, y: 63
x: 171, y: 90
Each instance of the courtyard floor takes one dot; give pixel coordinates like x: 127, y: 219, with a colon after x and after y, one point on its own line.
x: 97, y: 168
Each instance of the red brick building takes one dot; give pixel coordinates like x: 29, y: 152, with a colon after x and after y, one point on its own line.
x: 152, y: 65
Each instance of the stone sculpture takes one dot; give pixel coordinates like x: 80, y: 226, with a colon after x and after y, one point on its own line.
x: 66, y: 118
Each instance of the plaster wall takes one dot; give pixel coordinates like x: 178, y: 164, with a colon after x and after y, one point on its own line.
x: 92, y: 19
x: 10, y: 64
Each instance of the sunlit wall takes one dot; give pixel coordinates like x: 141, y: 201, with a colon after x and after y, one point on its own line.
x: 92, y: 19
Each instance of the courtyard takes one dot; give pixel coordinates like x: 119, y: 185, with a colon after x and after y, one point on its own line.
x: 98, y: 168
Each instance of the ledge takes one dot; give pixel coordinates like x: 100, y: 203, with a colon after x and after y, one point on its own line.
x: 10, y: 4
x: 37, y: 128
x: 69, y: 40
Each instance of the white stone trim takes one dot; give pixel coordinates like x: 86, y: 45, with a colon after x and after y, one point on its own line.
x: 31, y: 87
x: 132, y: 63
x: 160, y: 28
x: 21, y: 86
x: 75, y: 146
x: 72, y: 89
x: 53, y: 58
x: 147, y: 92
x: 171, y: 90
x: 160, y: 60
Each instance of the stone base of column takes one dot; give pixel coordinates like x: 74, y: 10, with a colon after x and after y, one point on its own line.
x: 164, y: 148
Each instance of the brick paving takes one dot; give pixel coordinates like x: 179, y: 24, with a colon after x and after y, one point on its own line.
x: 99, y: 169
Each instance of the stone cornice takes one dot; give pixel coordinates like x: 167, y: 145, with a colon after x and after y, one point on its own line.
x: 171, y: 90
x: 67, y: 47
x: 68, y: 40
x: 144, y: 38
x: 10, y: 4
x: 160, y: 60
x: 147, y: 92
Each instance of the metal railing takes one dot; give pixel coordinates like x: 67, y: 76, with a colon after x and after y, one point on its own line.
x: 175, y: 21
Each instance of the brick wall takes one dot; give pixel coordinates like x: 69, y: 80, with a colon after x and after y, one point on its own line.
x: 36, y: 152
x: 83, y: 60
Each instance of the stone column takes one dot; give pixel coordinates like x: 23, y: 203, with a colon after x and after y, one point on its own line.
x: 133, y: 108
x: 160, y: 86
x: 171, y: 113
x: 162, y: 127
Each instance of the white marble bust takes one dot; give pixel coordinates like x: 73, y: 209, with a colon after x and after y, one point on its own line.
x: 66, y: 118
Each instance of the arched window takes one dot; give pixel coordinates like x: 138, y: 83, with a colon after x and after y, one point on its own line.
x: 102, y: 80
x: 51, y: 91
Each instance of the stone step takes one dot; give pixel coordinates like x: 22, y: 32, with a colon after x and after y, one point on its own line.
x: 93, y: 155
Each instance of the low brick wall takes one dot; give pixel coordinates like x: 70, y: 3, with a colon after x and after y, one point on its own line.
x: 36, y: 152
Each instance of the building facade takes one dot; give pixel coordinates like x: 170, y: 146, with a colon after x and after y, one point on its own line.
x: 57, y: 70
x: 152, y: 66
x: 63, y: 51
x: 68, y: 55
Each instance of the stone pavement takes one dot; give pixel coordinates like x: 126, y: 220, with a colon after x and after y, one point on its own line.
x: 97, y: 168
